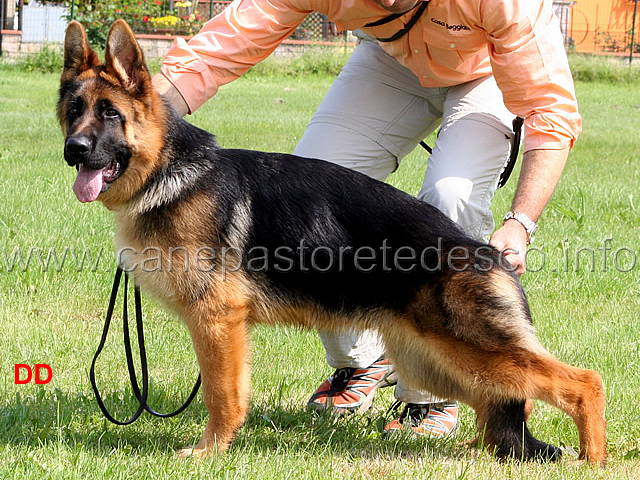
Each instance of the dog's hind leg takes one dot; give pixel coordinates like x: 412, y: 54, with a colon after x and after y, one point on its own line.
x: 497, y: 383
x: 577, y: 392
x: 222, y: 347
x: 506, y: 379
x: 503, y: 428
x: 515, y: 411
x: 500, y: 364
x: 487, y: 381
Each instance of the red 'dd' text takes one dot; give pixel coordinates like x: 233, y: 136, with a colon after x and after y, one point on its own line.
x: 24, y: 373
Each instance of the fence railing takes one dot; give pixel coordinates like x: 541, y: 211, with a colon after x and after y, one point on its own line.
x: 588, y: 26
x: 45, y: 21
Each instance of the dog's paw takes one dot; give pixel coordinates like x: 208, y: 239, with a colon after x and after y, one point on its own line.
x: 193, y: 452
x: 470, y: 443
x: 199, y: 451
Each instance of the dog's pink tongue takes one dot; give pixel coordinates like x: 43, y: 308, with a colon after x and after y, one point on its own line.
x: 88, y: 184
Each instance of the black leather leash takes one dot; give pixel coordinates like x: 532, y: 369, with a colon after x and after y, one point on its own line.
x: 143, y: 395
x: 515, y: 148
x: 513, y: 156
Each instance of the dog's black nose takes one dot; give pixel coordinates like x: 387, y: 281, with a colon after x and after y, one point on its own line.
x: 76, y: 149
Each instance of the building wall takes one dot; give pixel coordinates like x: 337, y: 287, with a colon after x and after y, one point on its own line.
x: 13, y: 47
x: 153, y: 46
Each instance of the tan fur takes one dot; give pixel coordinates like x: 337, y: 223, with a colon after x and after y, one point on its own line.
x: 451, y: 352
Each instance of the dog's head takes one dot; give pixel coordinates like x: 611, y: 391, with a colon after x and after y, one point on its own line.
x: 110, y: 116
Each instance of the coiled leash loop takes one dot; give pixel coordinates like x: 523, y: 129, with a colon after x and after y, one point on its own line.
x: 143, y: 395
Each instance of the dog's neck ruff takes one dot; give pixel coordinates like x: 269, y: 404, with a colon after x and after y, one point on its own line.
x: 165, y: 187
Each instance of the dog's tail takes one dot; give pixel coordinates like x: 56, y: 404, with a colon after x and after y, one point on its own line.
x: 505, y: 430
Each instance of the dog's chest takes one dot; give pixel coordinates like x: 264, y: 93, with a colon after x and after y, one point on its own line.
x: 162, y: 268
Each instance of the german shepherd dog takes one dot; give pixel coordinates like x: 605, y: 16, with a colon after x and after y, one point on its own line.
x: 230, y: 238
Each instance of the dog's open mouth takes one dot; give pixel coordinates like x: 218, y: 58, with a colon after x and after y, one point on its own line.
x: 111, y: 172
x: 90, y: 183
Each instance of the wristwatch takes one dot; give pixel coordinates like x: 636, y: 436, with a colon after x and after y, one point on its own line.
x: 529, y: 225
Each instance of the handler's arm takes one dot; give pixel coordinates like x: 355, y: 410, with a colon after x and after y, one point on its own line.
x: 530, y: 65
x: 244, y: 34
x: 540, y: 173
x: 165, y: 88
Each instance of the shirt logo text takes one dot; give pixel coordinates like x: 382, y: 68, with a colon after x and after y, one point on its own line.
x: 455, y: 28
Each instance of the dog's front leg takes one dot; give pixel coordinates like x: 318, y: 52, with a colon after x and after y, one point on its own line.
x: 221, y: 345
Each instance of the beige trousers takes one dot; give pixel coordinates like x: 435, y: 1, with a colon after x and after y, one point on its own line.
x: 374, y: 114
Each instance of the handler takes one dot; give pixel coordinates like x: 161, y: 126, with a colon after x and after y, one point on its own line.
x: 465, y: 66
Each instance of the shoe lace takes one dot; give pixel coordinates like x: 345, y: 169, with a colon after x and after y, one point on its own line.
x: 412, y: 412
x: 416, y: 413
x: 340, y: 378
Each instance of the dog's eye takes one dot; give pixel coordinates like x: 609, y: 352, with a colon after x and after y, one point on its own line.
x: 111, y: 112
x: 73, y: 110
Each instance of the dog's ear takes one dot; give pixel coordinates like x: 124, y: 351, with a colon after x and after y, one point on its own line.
x: 78, y: 55
x: 124, y: 59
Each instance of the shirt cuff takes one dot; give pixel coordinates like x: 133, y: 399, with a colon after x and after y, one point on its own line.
x: 549, y: 132
x: 189, y: 74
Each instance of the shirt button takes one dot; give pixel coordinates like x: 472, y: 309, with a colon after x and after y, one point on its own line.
x: 452, y: 45
x: 417, y: 50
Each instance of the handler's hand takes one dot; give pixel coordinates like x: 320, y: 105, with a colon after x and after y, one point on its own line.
x: 511, y: 240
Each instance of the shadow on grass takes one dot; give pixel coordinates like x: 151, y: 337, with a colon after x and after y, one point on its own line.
x: 276, y: 428
x: 58, y: 417
x: 72, y: 420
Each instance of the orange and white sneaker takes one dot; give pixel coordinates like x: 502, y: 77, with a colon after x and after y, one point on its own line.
x: 353, y: 389
x: 434, y: 420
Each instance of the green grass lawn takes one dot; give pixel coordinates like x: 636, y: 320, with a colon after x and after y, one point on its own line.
x: 584, y: 291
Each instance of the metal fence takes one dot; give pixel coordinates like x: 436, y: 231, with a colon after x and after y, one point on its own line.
x: 588, y: 26
x: 604, y: 26
x: 45, y: 21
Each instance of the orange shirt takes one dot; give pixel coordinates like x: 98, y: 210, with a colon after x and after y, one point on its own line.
x: 454, y: 41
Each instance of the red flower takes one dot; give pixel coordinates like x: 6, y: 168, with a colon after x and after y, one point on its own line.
x: 145, y: 19
x: 158, y: 2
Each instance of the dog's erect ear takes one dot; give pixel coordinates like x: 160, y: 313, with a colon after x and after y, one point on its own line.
x: 124, y: 59
x: 78, y: 55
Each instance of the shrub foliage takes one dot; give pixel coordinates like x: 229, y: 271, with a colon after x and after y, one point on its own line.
x: 144, y: 16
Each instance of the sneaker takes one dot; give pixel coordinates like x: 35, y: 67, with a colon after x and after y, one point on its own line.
x: 435, y: 420
x: 353, y: 389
